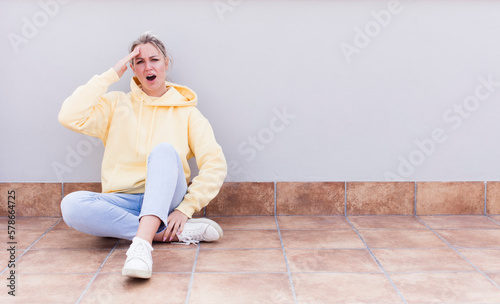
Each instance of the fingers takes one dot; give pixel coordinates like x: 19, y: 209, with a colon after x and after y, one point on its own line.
x: 171, y: 231
x: 132, y: 54
x: 121, y: 66
x: 175, y: 225
x: 181, y: 227
x: 172, y: 226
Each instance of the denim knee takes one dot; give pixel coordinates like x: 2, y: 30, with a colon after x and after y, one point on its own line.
x: 164, y: 149
x: 71, y: 206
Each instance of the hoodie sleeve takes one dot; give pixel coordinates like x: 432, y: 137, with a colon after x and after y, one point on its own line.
x: 211, y: 162
x: 88, y: 110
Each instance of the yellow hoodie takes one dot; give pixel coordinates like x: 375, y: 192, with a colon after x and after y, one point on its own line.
x: 131, y: 124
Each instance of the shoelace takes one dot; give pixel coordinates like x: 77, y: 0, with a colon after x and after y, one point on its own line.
x: 138, y: 251
x: 186, y: 242
x: 189, y: 239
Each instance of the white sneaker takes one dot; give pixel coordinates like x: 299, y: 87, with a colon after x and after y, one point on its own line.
x: 200, y: 230
x: 139, y: 263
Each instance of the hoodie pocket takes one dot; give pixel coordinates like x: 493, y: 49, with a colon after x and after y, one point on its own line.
x: 127, y: 177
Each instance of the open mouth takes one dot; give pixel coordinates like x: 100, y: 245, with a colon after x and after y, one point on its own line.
x: 151, y: 77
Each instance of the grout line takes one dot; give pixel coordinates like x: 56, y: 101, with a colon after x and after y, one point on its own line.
x: 62, y: 190
x: 275, y: 200
x: 33, y: 244
x: 485, y: 196
x: 495, y: 221
x: 343, y: 248
x: 376, y: 260
x: 96, y: 273
x: 415, y: 200
x: 238, y: 272
x: 191, y: 280
x: 88, y: 273
x: 455, y: 272
x: 286, y: 262
x: 345, y: 199
x: 459, y: 253
x: 242, y: 248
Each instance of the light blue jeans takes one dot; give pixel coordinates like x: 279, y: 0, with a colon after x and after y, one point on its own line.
x: 118, y: 214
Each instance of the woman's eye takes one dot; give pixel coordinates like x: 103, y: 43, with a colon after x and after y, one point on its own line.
x: 139, y: 61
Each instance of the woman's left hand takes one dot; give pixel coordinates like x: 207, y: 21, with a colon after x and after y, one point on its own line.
x: 175, y: 225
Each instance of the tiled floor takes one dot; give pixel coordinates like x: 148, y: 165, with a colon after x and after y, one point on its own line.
x: 308, y: 259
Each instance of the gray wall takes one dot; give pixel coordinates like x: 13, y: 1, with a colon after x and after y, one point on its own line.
x: 295, y: 90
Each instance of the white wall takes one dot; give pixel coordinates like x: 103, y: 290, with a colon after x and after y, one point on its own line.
x: 249, y: 60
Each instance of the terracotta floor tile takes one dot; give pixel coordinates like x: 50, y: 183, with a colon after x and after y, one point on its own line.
x: 216, y: 288
x: 310, y: 198
x: 62, y: 226
x: 484, y: 259
x: 495, y: 276
x: 5, y: 256
x: 386, y: 222
x: 72, y: 187
x: 445, y: 198
x: 331, y: 260
x: 29, y: 223
x: 313, y: 222
x: 472, y: 238
x: 321, y: 239
x: 344, y: 288
x: 24, y: 238
x: 72, y: 239
x: 163, y: 261
x: 401, y: 239
x: 246, y: 239
x: 161, y: 288
x: 245, y: 222
x: 47, y: 288
x: 460, y: 222
x: 496, y: 218
x: 493, y: 197
x: 380, y: 198
x: 125, y: 244
x: 32, y: 199
x: 446, y: 288
x: 241, y: 260
x: 61, y: 261
x: 421, y: 260
x: 243, y: 198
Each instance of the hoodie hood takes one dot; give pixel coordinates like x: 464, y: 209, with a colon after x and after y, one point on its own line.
x: 176, y: 96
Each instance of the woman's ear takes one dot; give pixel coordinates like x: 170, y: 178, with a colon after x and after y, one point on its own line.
x: 167, y: 63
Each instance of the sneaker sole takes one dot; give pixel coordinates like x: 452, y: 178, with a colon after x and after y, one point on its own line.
x: 135, y: 273
x: 211, y: 223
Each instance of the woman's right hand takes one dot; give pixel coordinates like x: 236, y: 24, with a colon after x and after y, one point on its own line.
x: 121, y: 66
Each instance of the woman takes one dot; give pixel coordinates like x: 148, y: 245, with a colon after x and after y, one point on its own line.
x: 149, y: 134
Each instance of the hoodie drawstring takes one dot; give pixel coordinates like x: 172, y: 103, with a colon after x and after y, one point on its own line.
x: 151, y: 132
x: 150, y: 135
x: 138, y: 131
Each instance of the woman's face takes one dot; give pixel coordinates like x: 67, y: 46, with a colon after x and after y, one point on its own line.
x: 151, y: 68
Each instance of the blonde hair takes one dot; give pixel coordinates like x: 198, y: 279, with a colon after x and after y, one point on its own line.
x: 149, y: 37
